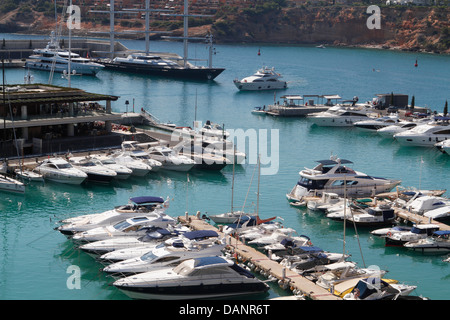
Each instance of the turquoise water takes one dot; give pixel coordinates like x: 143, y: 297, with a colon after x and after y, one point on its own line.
x: 34, y: 258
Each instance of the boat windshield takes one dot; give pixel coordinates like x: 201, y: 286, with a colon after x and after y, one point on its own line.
x: 184, y: 268
x: 312, y: 184
x: 149, y: 256
x: 64, y: 165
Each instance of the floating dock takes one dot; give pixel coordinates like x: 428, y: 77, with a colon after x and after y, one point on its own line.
x: 286, y: 278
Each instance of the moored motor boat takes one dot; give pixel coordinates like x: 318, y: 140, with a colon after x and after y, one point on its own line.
x: 122, y: 171
x: 377, y: 123
x: 95, y: 172
x: 132, y: 227
x: 166, y: 256
x: 29, y: 175
x: 138, y: 206
x: 199, y: 278
x: 170, y: 160
x: 59, y: 170
x: 374, y: 288
x: 148, y: 240
x: 437, y: 242
x: 417, y: 232
x: 334, y: 176
x: 426, y: 135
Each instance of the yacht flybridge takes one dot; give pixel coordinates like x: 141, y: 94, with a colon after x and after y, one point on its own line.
x: 332, y: 175
x: 53, y: 58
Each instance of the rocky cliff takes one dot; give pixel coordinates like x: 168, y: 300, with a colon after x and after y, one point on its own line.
x: 407, y: 28
x: 401, y: 27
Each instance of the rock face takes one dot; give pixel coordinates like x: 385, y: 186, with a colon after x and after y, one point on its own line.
x: 401, y: 27
x: 408, y: 28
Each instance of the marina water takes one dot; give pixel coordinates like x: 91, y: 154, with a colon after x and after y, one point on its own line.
x: 35, y: 260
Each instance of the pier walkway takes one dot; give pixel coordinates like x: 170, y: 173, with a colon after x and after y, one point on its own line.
x: 293, y: 280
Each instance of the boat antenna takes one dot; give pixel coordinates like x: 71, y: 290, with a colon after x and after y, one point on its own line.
x: 232, y: 181
x: 259, y: 176
x: 345, y: 210
x: 357, y: 237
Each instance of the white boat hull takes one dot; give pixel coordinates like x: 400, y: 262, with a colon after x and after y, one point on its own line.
x: 80, y: 69
x: 258, y: 86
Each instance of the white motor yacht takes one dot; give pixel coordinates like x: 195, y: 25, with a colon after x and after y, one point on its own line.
x: 52, y: 57
x: 137, y: 206
x: 401, y: 126
x: 135, y: 151
x: 426, y: 135
x: 342, y: 116
x: 438, y: 242
x: 123, y: 172
x: 417, y: 232
x: 150, y: 239
x: 264, y: 79
x: 334, y: 176
x: 377, y: 123
x: 223, y: 148
x: 199, y: 278
x: 165, y: 256
x: 59, y: 170
x: 443, y: 146
x: 138, y: 167
x: 132, y: 227
x: 276, y: 237
x: 95, y: 171
x: 202, y: 157
x: 170, y: 160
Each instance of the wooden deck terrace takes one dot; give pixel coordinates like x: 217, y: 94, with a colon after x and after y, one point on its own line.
x: 286, y: 278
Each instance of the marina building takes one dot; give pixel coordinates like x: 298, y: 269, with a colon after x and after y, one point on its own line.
x: 39, y: 119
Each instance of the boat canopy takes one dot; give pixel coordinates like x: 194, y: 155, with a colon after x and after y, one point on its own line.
x: 441, y: 233
x: 332, y: 162
x: 147, y: 199
x: 200, y: 234
x: 207, y: 261
x: 292, y: 97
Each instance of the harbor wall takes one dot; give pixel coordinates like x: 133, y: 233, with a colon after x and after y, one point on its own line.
x: 22, y: 49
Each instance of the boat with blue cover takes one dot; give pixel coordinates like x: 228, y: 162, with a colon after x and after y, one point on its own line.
x: 438, y: 242
x: 142, y: 205
x: 199, y: 278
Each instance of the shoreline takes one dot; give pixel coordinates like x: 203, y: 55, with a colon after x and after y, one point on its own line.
x: 157, y: 38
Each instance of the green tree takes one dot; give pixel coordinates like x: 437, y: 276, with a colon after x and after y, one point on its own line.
x: 446, y: 108
x: 413, y: 101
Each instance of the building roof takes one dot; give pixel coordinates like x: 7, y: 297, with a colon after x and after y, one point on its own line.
x: 44, y: 93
